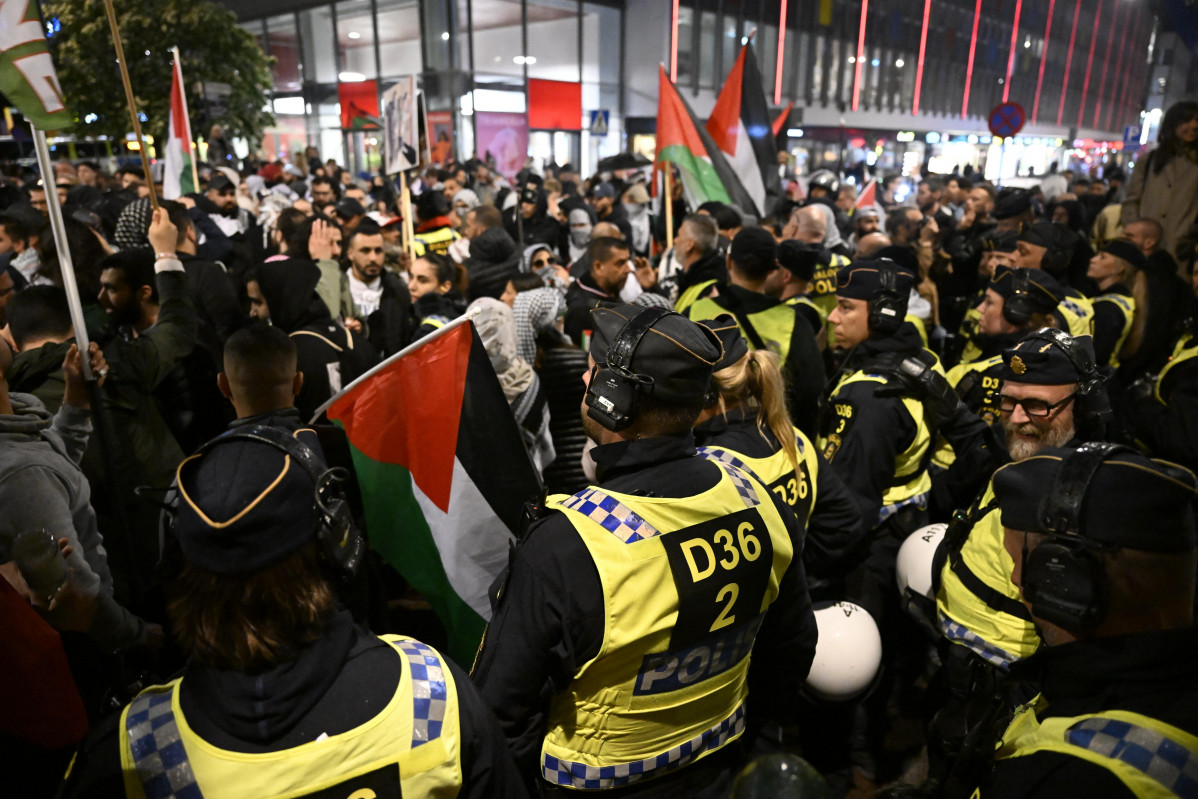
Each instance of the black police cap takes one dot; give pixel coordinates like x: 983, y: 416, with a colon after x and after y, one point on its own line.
x: 861, y: 280
x: 1043, y: 289
x: 1132, y: 501
x: 245, y: 505
x: 735, y: 346
x: 1014, y: 204
x: 800, y: 258
x: 677, y: 353
x: 1039, y: 360
x: 1126, y: 251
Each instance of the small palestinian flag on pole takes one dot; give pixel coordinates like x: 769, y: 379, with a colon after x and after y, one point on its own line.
x: 179, y: 171
x: 442, y: 471
x: 27, y: 75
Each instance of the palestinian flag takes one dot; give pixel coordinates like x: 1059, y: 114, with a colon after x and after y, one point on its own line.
x: 443, y: 473
x: 741, y: 126
x: 177, y: 175
x: 681, y: 142
x: 27, y: 75
x: 868, y: 195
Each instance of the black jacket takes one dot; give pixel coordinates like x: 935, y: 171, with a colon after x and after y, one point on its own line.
x: 389, y: 327
x: 549, y: 618
x: 218, y: 309
x: 583, y: 295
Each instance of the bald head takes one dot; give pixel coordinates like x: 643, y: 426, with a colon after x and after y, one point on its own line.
x: 812, y: 228
x: 871, y: 243
x: 606, y: 230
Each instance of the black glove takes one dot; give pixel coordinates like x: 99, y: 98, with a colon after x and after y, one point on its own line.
x: 915, y: 378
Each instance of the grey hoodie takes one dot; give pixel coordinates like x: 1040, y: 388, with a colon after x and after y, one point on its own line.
x: 42, y: 486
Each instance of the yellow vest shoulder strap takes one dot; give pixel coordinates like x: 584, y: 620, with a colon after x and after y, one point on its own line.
x: 692, y: 295
x: 1150, y: 757
x: 1184, y: 351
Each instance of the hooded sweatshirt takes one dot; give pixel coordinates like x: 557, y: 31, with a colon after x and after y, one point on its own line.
x: 494, y: 260
x: 39, y: 458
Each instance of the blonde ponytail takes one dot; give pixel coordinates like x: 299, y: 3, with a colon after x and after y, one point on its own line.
x: 756, y: 381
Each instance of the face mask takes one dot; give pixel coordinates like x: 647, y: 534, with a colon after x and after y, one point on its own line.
x: 579, y: 236
x: 635, y: 209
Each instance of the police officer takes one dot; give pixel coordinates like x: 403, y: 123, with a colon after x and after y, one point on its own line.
x: 1051, y: 247
x: 746, y: 425
x: 767, y: 323
x: 283, y: 694
x: 434, y: 228
x: 1164, y: 415
x: 1051, y: 395
x: 998, y: 249
x: 1118, y: 270
x: 1016, y: 301
x: 617, y: 657
x: 1103, y: 545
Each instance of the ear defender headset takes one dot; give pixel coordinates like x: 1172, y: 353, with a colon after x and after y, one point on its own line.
x: 1090, y: 405
x: 341, y: 543
x: 1017, y: 309
x: 887, y: 308
x: 611, y: 398
x: 1063, y: 578
x: 1059, y: 253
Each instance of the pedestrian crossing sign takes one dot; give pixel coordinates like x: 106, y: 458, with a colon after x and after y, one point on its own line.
x: 599, y: 120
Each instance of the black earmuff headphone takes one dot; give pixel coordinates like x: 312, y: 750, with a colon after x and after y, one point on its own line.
x: 1059, y: 253
x: 1090, y: 405
x: 341, y: 544
x: 1064, y: 579
x: 611, y: 398
x: 1017, y: 308
x: 887, y: 308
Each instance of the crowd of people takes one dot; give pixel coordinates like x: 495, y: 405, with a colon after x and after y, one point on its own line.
x: 927, y: 461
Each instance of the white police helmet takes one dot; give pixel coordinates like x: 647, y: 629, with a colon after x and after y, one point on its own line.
x: 913, y: 566
x: 848, y: 653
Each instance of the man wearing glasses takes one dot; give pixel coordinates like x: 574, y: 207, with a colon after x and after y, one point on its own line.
x: 1051, y: 395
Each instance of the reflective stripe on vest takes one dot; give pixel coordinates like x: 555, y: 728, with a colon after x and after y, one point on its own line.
x: 686, y: 583
x: 411, y: 747
x: 988, y: 618
x: 776, y: 473
x: 1079, y: 315
x: 1184, y: 351
x: 1152, y: 758
x: 1127, y: 307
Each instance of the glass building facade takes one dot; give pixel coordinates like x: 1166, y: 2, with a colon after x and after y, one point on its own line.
x: 934, y: 68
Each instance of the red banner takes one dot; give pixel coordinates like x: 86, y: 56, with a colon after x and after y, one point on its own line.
x: 554, y: 105
x: 359, y: 105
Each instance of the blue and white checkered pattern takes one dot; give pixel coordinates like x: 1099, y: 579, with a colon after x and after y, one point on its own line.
x: 980, y: 646
x: 429, y: 695
x: 158, y: 754
x: 1159, y: 757
x: 723, y: 456
x: 611, y: 514
x: 921, y: 500
x: 742, y: 484
x: 593, y: 778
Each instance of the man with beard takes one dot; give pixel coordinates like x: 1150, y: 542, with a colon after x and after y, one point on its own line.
x: 381, y: 298
x: 1052, y: 395
x: 596, y: 657
x: 609, y: 269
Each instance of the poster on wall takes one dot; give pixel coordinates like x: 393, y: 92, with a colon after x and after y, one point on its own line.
x: 502, y: 137
x: 359, y: 105
x: 400, y: 123
x: 440, y: 135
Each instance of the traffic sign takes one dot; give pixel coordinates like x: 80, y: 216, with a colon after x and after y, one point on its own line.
x: 1007, y: 119
x: 599, y: 120
x: 1131, y: 133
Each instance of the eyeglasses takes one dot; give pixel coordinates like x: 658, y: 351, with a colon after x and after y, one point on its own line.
x: 1032, y: 406
x: 545, y: 261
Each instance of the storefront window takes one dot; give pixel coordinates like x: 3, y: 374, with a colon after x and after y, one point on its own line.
x: 283, y: 45
x: 553, y: 39
x: 316, y: 26
x: 709, y: 40
x: 686, y: 45
x: 498, y: 37
x: 399, y: 37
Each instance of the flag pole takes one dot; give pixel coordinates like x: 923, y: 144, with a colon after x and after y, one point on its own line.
x: 66, y: 265
x: 191, y: 153
x: 669, y: 170
x: 406, y: 227
x: 141, y: 144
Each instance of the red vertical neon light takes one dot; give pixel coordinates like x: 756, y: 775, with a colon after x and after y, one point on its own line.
x: 1106, y: 58
x: 861, y: 53
x: 1006, y: 84
x: 1069, y: 61
x: 1115, y: 87
x: 781, y: 51
x: 674, y: 42
x: 1052, y: 4
x: 923, y: 44
x: 1081, y: 108
x: 973, y: 46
